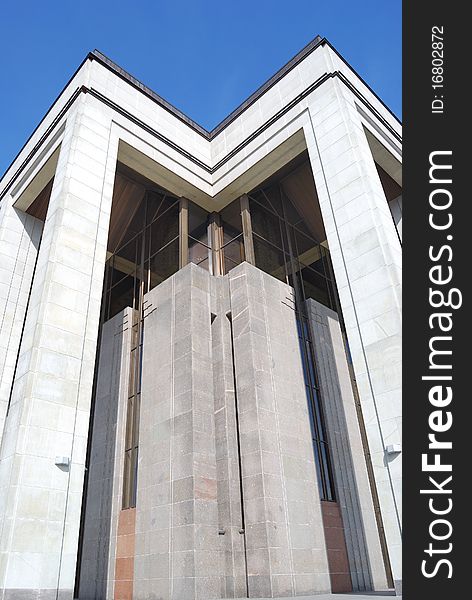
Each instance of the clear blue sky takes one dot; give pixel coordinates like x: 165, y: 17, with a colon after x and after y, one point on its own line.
x: 205, y: 57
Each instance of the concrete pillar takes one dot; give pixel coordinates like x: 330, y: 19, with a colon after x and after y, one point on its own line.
x: 366, y: 256
x: 100, y: 565
x: 20, y: 234
x: 230, y: 510
x: 286, y: 554
x: 347, y: 454
x: 49, y: 412
x: 177, y: 543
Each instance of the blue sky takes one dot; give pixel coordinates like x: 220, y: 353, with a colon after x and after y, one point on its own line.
x: 205, y: 57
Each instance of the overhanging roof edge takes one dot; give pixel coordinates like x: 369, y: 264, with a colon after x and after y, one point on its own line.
x: 115, y: 68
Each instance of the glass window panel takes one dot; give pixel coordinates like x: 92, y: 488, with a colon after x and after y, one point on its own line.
x: 158, y: 203
x: 127, y: 479
x: 205, y: 264
x: 318, y: 415
x: 229, y: 234
x: 231, y: 220
x: 115, y: 277
x: 198, y: 253
x: 128, y: 255
x: 329, y: 491
x: 140, y: 368
x: 269, y: 258
x: 305, y: 369
x: 234, y: 252
x: 295, y: 281
x: 122, y: 295
x: 137, y: 221
x: 134, y: 477
x: 124, y: 262
x: 265, y: 224
x: 106, y: 308
x: 137, y: 406
x: 228, y: 265
x: 314, y: 433
x: 129, y: 443
x: 311, y: 367
x: 273, y: 200
x: 304, y: 243
x: 291, y: 213
x: 164, y: 264
x: 309, y: 252
x: 315, y: 286
x: 318, y: 468
x: 164, y: 229
x: 300, y: 226
x: 197, y: 223
x: 306, y: 329
x: 299, y: 327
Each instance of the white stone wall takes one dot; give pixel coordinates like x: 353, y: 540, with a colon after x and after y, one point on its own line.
x: 20, y: 234
x: 105, y: 477
x: 49, y: 414
x: 346, y: 450
x: 51, y: 392
x: 366, y: 256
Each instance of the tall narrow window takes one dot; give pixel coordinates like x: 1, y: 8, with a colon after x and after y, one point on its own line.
x: 318, y: 432
x: 199, y: 250
x: 233, y: 242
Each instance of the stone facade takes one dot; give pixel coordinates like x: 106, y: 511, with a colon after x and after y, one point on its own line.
x: 228, y: 501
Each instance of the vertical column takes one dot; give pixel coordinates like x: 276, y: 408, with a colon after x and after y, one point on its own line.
x: 286, y: 554
x: 214, y: 237
x: 230, y: 509
x: 183, y: 232
x: 20, y: 234
x: 366, y: 256
x: 105, y: 477
x: 347, y: 454
x: 247, y: 230
x: 51, y: 395
x: 177, y: 542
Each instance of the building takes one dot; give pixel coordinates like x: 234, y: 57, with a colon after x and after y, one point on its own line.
x: 200, y: 343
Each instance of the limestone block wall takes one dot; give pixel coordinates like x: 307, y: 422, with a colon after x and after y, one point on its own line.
x: 20, y: 235
x: 105, y: 477
x: 366, y: 255
x: 221, y: 359
x: 51, y: 388
x: 177, y: 543
x: 347, y: 454
x: 50, y: 402
x: 286, y: 552
x: 228, y: 501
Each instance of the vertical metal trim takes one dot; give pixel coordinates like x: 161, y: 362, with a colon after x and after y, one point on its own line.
x: 215, y: 243
x: 247, y: 230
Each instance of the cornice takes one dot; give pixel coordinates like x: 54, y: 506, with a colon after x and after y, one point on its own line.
x: 208, y: 135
